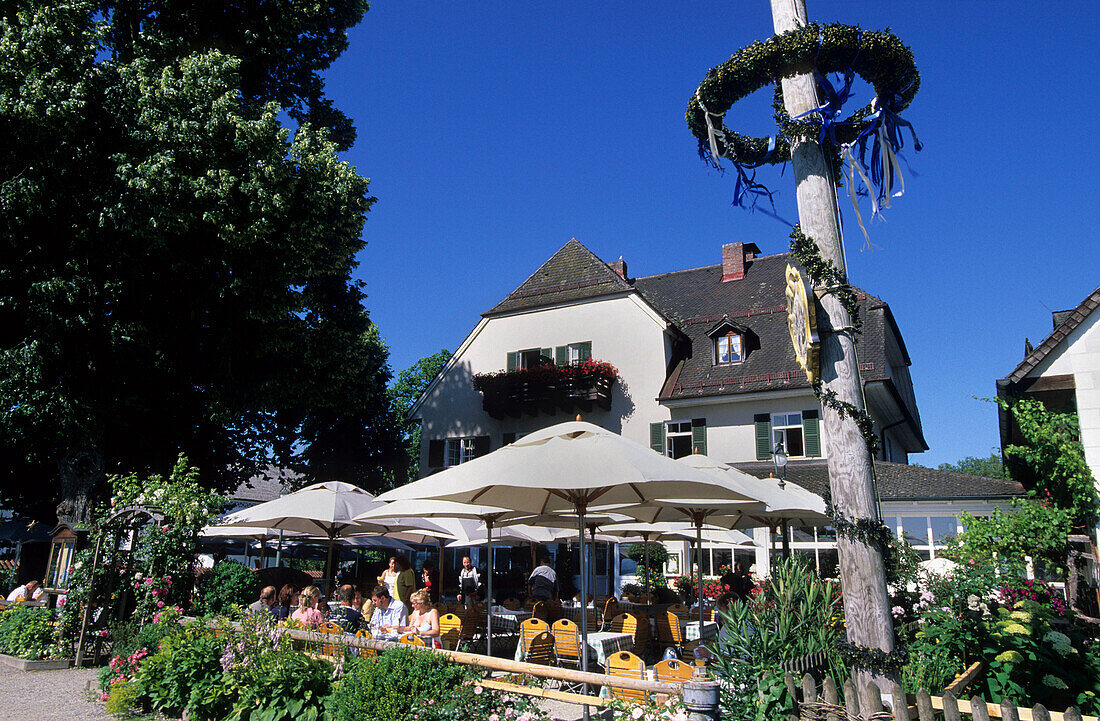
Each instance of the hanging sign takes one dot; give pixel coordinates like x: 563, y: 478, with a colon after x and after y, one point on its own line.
x: 802, y: 323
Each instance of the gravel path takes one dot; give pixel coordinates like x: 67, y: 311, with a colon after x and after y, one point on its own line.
x: 48, y: 695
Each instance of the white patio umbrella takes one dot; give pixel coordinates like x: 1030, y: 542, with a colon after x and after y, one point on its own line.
x: 567, y: 467
x: 327, y: 509
x: 414, y: 512
x: 254, y: 533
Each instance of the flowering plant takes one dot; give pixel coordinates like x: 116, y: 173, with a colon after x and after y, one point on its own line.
x: 545, y: 374
x: 672, y: 709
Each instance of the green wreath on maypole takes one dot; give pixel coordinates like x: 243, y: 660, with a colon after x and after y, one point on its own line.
x: 885, y: 63
x: 878, y: 57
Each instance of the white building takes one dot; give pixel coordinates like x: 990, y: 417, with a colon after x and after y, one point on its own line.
x: 704, y: 362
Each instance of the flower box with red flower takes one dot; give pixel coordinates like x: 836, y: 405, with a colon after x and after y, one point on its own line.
x: 547, y: 388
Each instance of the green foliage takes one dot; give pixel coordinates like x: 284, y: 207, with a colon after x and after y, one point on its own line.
x: 991, y: 467
x: 658, y: 554
x: 795, y: 614
x: 227, y: 584
x: 281, y: 684
x: 27, y: 632
x: 187, y: 664
x: 388, y: 686
x: 406, y: 390
x: 1051, y: 460
x: 177, y: 266
x: 1031, y: 528
x: 469, y: 700
x: 122, y: 699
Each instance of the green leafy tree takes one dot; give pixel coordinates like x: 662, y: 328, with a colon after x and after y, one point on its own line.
x: 409, y: 386
x: 176, y: 266
x: 1051, y: 460
x: 1032, y: 528
x: 991, y: 467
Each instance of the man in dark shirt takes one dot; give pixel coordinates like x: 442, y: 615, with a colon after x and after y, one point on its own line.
x: 345, y: 614
x: 265, y: 603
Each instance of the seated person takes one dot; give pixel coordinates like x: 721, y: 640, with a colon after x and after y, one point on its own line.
x: 308, y: 614
x: 345, y: 615
x: 424, y: 620
x: 389, y: 614
x: 265, y: 602
x: 29, y: 591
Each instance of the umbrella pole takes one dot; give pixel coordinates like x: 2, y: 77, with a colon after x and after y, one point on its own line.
x: 591, y: 563
x: 489, y: 584
x: 584, y: 605
x: 699, y: 557
x: 328, y: 561
x: 440, y: 594
x: 645, y: 568
x: 279, y: 550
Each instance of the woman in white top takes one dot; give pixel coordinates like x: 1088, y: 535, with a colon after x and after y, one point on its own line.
x: 389, y: 577
x: 424, y: 620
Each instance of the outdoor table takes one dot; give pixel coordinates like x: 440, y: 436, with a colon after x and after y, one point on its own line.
x: 690, y: 630
x: 509, y: 621
x: 605, y: 643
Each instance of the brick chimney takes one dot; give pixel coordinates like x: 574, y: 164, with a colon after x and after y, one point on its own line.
x: 619, y: 266
x: 736, y: 259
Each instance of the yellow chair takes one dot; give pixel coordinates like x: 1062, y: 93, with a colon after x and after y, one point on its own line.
x: 540, y: 649
x: 672, y: 671
x: 365, y: 652
x: 626, y: 665
x: 609, y: 610
x: 330, y: 628
x: 679, y: 609
x: 410, y: 639
x: 530, y: 628
x: 450, y: 631
x: 567, y: 642
x: 538, y: 610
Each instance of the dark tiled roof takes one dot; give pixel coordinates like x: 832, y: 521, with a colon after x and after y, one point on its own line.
x: 897, y: 481
x: 695, y: 300
x: 1070, y: 321
x: 573, y: 273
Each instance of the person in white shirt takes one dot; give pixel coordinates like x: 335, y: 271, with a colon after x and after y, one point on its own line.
x: 389, y: 614
x: 30, y: 591
x: 468, y: 582
x: 543, y: 582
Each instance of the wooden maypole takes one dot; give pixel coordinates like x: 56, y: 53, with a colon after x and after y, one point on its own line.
x: 862, y: 572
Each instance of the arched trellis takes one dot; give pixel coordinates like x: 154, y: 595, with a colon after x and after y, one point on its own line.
x: 132, y: 518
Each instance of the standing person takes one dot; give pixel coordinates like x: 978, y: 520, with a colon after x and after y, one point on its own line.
x: 29, y: 591
x: 307, y: 613
x: 426, y: 577
x: 468, y: 582
x: 266, y: 602
x: 389, y: 615
x: 542, y: 585
x: 346, y: 615
x: 424, y: 620
x: 406, y: 581
x: 742, y: 588
x: 288, y: 601
x: 388, y: 577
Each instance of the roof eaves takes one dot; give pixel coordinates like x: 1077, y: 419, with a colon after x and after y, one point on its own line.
x: 1041, y: 351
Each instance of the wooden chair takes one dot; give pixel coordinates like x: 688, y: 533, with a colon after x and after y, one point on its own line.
x: 672, y: 671
x: 538, y: 610
x: 609, y: 611
x: 641, y: 631
x: 471, y: 634
x: 512, y: 604
x: 567, y: 642
x: 365, y: 652
x: 329, y: 628
x: 668, y: 631
x: 530, y: 628
x: 529, y: 605
x: 410, y: 639
x: 626, y: 665
x: 679, y: 609
x: 540, y: 649
x: 450, y: 631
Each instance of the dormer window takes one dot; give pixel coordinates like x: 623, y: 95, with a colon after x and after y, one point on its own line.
x: 727, y: 349
x: 729, y: 340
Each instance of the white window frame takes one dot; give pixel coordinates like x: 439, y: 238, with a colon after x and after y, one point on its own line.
x: 573, y: 353
x: 729, y: 337
x: 521, y: 357
x: 457, y: 451
x: 676, y: 429
x: 781, y: 424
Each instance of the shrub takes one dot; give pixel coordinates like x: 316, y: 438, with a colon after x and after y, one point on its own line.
x: 27, y: 632
x: 471, y: 700
x: 227, y: 584
x: 188, y: 661
x: 388, y: 686
x: 122, y: 699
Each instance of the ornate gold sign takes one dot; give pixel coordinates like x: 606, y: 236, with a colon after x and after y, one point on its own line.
x: 802, y: 323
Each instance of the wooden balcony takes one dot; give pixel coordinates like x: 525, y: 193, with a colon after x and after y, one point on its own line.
x: 549, y: 390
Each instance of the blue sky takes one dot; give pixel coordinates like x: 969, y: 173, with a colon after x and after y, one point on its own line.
x: 494, y: 132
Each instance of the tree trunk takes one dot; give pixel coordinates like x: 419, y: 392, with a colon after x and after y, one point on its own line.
x: 81, y: 473
x: 862, y: 572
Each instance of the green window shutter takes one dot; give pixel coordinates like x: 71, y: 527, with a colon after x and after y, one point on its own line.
x: 657, y: 437
x: 699, y: 435
x: 513, y: 360
x: 435, y: 453
x: 763, y: 423
x: 811, y: 432
x: 481, y: 446
x: 561, y: 355
x: 548, y: 354
x: 585, y: 350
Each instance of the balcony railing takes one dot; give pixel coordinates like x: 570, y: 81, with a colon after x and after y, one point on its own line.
x: 547, y: 389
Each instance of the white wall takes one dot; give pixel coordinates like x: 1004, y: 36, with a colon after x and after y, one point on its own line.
x: 1079, y: 355
x: 623, y: 330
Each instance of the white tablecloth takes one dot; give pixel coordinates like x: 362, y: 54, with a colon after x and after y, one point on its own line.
x: 508, y: 621
x: 605, y: 643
